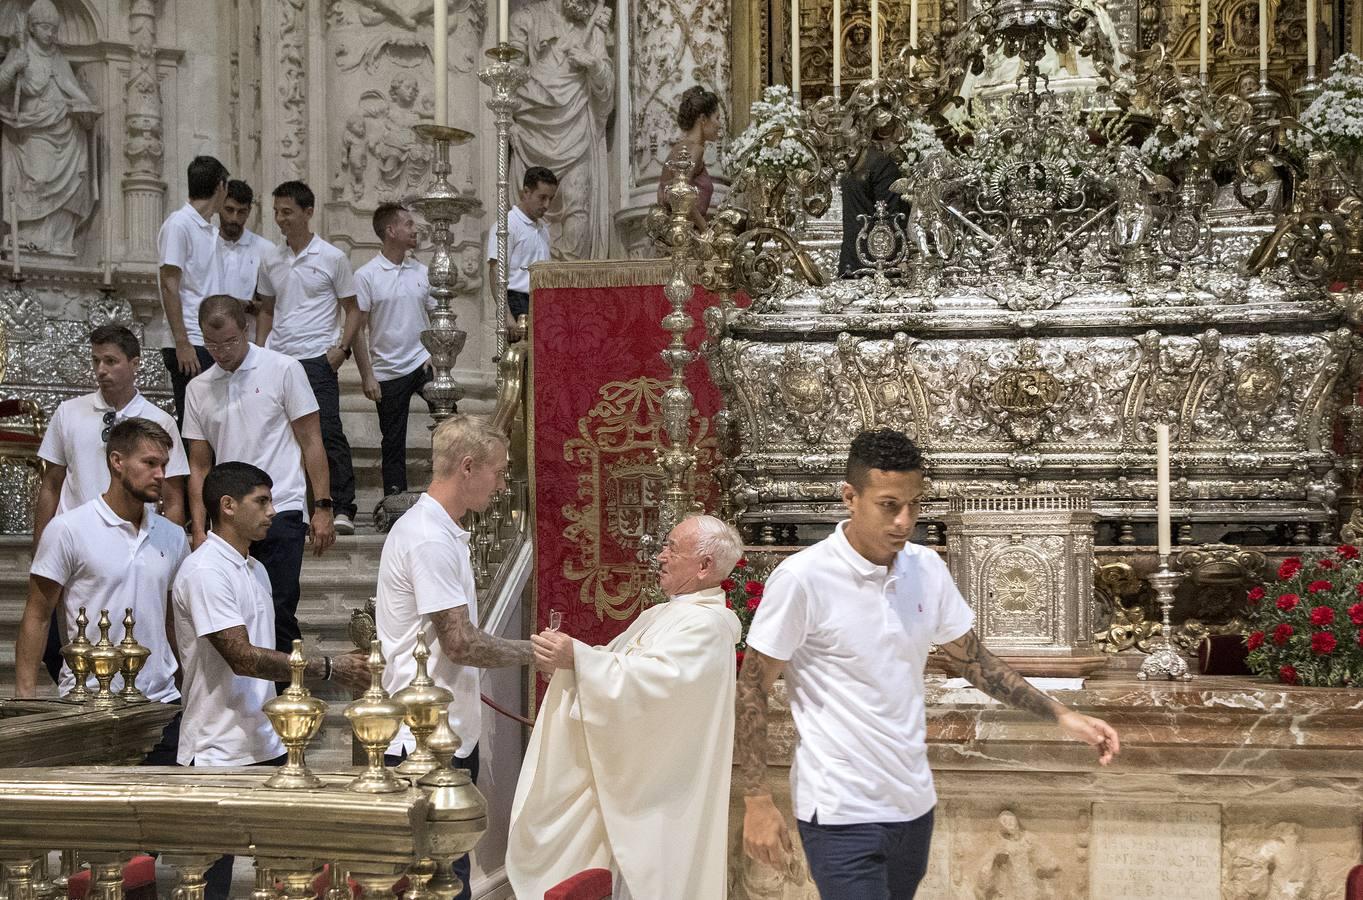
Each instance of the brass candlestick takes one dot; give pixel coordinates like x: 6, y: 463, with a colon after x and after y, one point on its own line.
x: 296, y: 716
x: 423, y: 699
x: 105, y: 661
x: 453, y: 798
x: 77, y: 656
x: 375, y: 718
x: 1164, y: 658
x: 134, y: 658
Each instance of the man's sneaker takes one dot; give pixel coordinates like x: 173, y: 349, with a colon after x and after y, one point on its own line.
x: 344, y: 525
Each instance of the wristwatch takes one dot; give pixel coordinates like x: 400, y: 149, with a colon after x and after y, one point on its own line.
x: 323, y: 503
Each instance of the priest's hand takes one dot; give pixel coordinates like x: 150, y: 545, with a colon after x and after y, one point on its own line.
x: 1094, y: 732
x: 766, y: 838
x: 553, y: 650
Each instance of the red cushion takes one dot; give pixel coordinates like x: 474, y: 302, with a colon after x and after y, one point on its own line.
x: 1353, y: 887
x: 139, y: 872
x: 593, y: 884
x: 20, y: 437
x: 322, y: 883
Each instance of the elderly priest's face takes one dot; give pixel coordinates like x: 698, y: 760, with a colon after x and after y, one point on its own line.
x: 682, y: 567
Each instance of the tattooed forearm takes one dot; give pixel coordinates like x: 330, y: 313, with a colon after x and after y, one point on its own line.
x: 467, y: 644
x: 250, y: 661
x: 996, y: 678
x: 750, y: 750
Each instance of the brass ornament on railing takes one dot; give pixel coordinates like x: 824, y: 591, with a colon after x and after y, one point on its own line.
x: 105, y: 661
x: 296, y: 717
x: 423, y: 701
x: 376, y: 719
x: 77, y: 656
x: 134, y: 659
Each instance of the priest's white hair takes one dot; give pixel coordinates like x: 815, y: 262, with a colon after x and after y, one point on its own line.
x: 718, y: 540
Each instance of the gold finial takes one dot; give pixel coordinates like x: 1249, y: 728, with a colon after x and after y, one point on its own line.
x: 375, y: 718
x: 77, y: 655
x: 134, y: 658
x: 296, y: 716
x: 105, y: 661
x: 423, y: 700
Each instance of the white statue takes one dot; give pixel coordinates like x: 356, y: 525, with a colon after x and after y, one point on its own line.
x: 47, y: 117
x: 1018, y: 869
x: 561, y: 123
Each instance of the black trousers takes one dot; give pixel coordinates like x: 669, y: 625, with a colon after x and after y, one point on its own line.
x: 394, y: 402
x: 281, y: 553
x: 462, y: 865
x: 872, y: 861
x: 327, y: 389
x: 219, y: 875
x: 518, y: 302
x: 168, y: 746
x: 178, y: 379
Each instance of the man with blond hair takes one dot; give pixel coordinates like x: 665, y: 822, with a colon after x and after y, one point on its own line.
x: 634, y: 741
x: 426, y: 585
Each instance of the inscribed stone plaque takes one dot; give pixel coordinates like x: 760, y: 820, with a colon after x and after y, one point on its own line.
x: 1169, y: 851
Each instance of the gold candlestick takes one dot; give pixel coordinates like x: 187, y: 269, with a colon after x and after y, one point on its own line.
x: 423, y: 699
x: 453, y: 798
x: 375, y: 718
x: 134, y: 658
x: 296, y: 716
x: 105, y: 661
x: 77, y: 655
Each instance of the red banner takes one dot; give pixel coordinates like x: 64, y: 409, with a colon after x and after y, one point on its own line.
x: 596, y: 383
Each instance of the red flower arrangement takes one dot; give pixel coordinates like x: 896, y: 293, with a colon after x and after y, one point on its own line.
x: 743, y: 593
x: 1318, y: 642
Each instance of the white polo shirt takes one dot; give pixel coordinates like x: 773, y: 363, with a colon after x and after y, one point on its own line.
x: 103, y: 562
x: 855, y: 637
x: 223, y: 725
x: 425, y: 568
x: 307, y: 288
x: 189, y: 242
x: 240, y: 261
x: 396, y: 298
x: 248, y: 416
x: 527, y: 242
x: 74, y: 439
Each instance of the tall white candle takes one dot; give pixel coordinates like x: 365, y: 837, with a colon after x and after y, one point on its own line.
x: 1202, y: 37
x: 503, y: 21
x: 837, y: 43
x: 1263, y: 35
x: 875, y: 40
x: 15, y: 268
x: 1311, y: 32
x: 913, y: 33
x: 1162, y: 486
x: 440, y: 46
x: 795, y: 46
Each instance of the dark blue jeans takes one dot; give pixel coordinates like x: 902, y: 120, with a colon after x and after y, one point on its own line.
x: 394, y: 402
x: 518, y: 303
x: 461, y: 865
x: 178, y: 380
x: 873, y: 861
x: 281, y: 553
x: 327, y: 389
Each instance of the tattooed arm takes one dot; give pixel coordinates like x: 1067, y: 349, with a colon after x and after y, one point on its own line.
x: 766, y: 837
x: 999, y: 680
x: 468, y: 645
x: 249, y: 661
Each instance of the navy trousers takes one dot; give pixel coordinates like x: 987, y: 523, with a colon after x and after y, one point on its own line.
x: 872, y: 861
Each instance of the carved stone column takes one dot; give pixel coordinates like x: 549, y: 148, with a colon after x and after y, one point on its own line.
x: 284, y: 89
x: 144, y: 187
x: 670, y: 46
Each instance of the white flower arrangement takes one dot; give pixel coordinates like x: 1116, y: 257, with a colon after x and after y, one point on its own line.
x: 920, y: 141
x: 1335, y: 117
x: 755, y: 147
x: 1161, y: 154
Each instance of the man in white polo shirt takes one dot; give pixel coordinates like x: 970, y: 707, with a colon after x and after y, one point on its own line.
x: 113, y: 553
x: 188, y: 251
x: 527, y: 238
x: 850, y: 622
x: 394, y: 294
x: 240, y: 250
x: 255, y: 406
x: 224, y: 626
x: 426, y: 581
x: 305, y: 285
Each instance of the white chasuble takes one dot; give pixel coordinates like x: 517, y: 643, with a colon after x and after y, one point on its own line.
x: 630, y: 759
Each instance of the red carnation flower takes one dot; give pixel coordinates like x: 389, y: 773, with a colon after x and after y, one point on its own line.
x: 1323, y: 642
x: 728, y: 584
x: 1360, y: 639
x: 1326, y: 563
x: 754, y: 588
x: 1288, y: 602
x: 1356, y: 613
x: 1282, y: 633
x: 1256, y: 593
x: 743, y: 561
x: 1289, y: 567
x: 738, y: 655
x: 1358, y: 589
x: 1322, y: 615
x: 1316, y: 587
x: 728, y: 604
x: 1348, y: 551
x: 1255, y: 640
x: 1287, y: 674
x: 753, y: 603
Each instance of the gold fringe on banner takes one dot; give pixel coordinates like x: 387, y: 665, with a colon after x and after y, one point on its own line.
x: 599, y: 273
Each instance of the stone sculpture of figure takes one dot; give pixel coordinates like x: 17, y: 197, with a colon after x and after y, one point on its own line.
x: 561, y: 123
x: 403, y: 160
x: 1017, y: 869
x: 46, y: 115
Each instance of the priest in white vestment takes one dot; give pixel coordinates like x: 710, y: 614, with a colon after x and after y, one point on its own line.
x: 629, y: 763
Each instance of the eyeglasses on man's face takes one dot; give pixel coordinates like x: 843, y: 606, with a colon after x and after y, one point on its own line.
x: 222, y: 346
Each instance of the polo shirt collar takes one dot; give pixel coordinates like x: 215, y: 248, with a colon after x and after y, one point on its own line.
x: 198, y: 219
x: 517, y: 211
x: 226, y: 550
x: 133, y: 407
x: 388, y: 265
x: 442, y: 516
x: 313, y: 246
x: 114, y: 520
x: 251, y: 360
x: 843, y: 549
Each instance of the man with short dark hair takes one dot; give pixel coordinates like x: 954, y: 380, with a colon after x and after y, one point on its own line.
x: 255, y: 406
x: 240, y: 250
x: 527, y: 238
x: 850, y: 622
x: 113, y: 553
x: 188, y: 250
x: 224, y: 626
x: 305, y: 285
x: 394, y: 294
